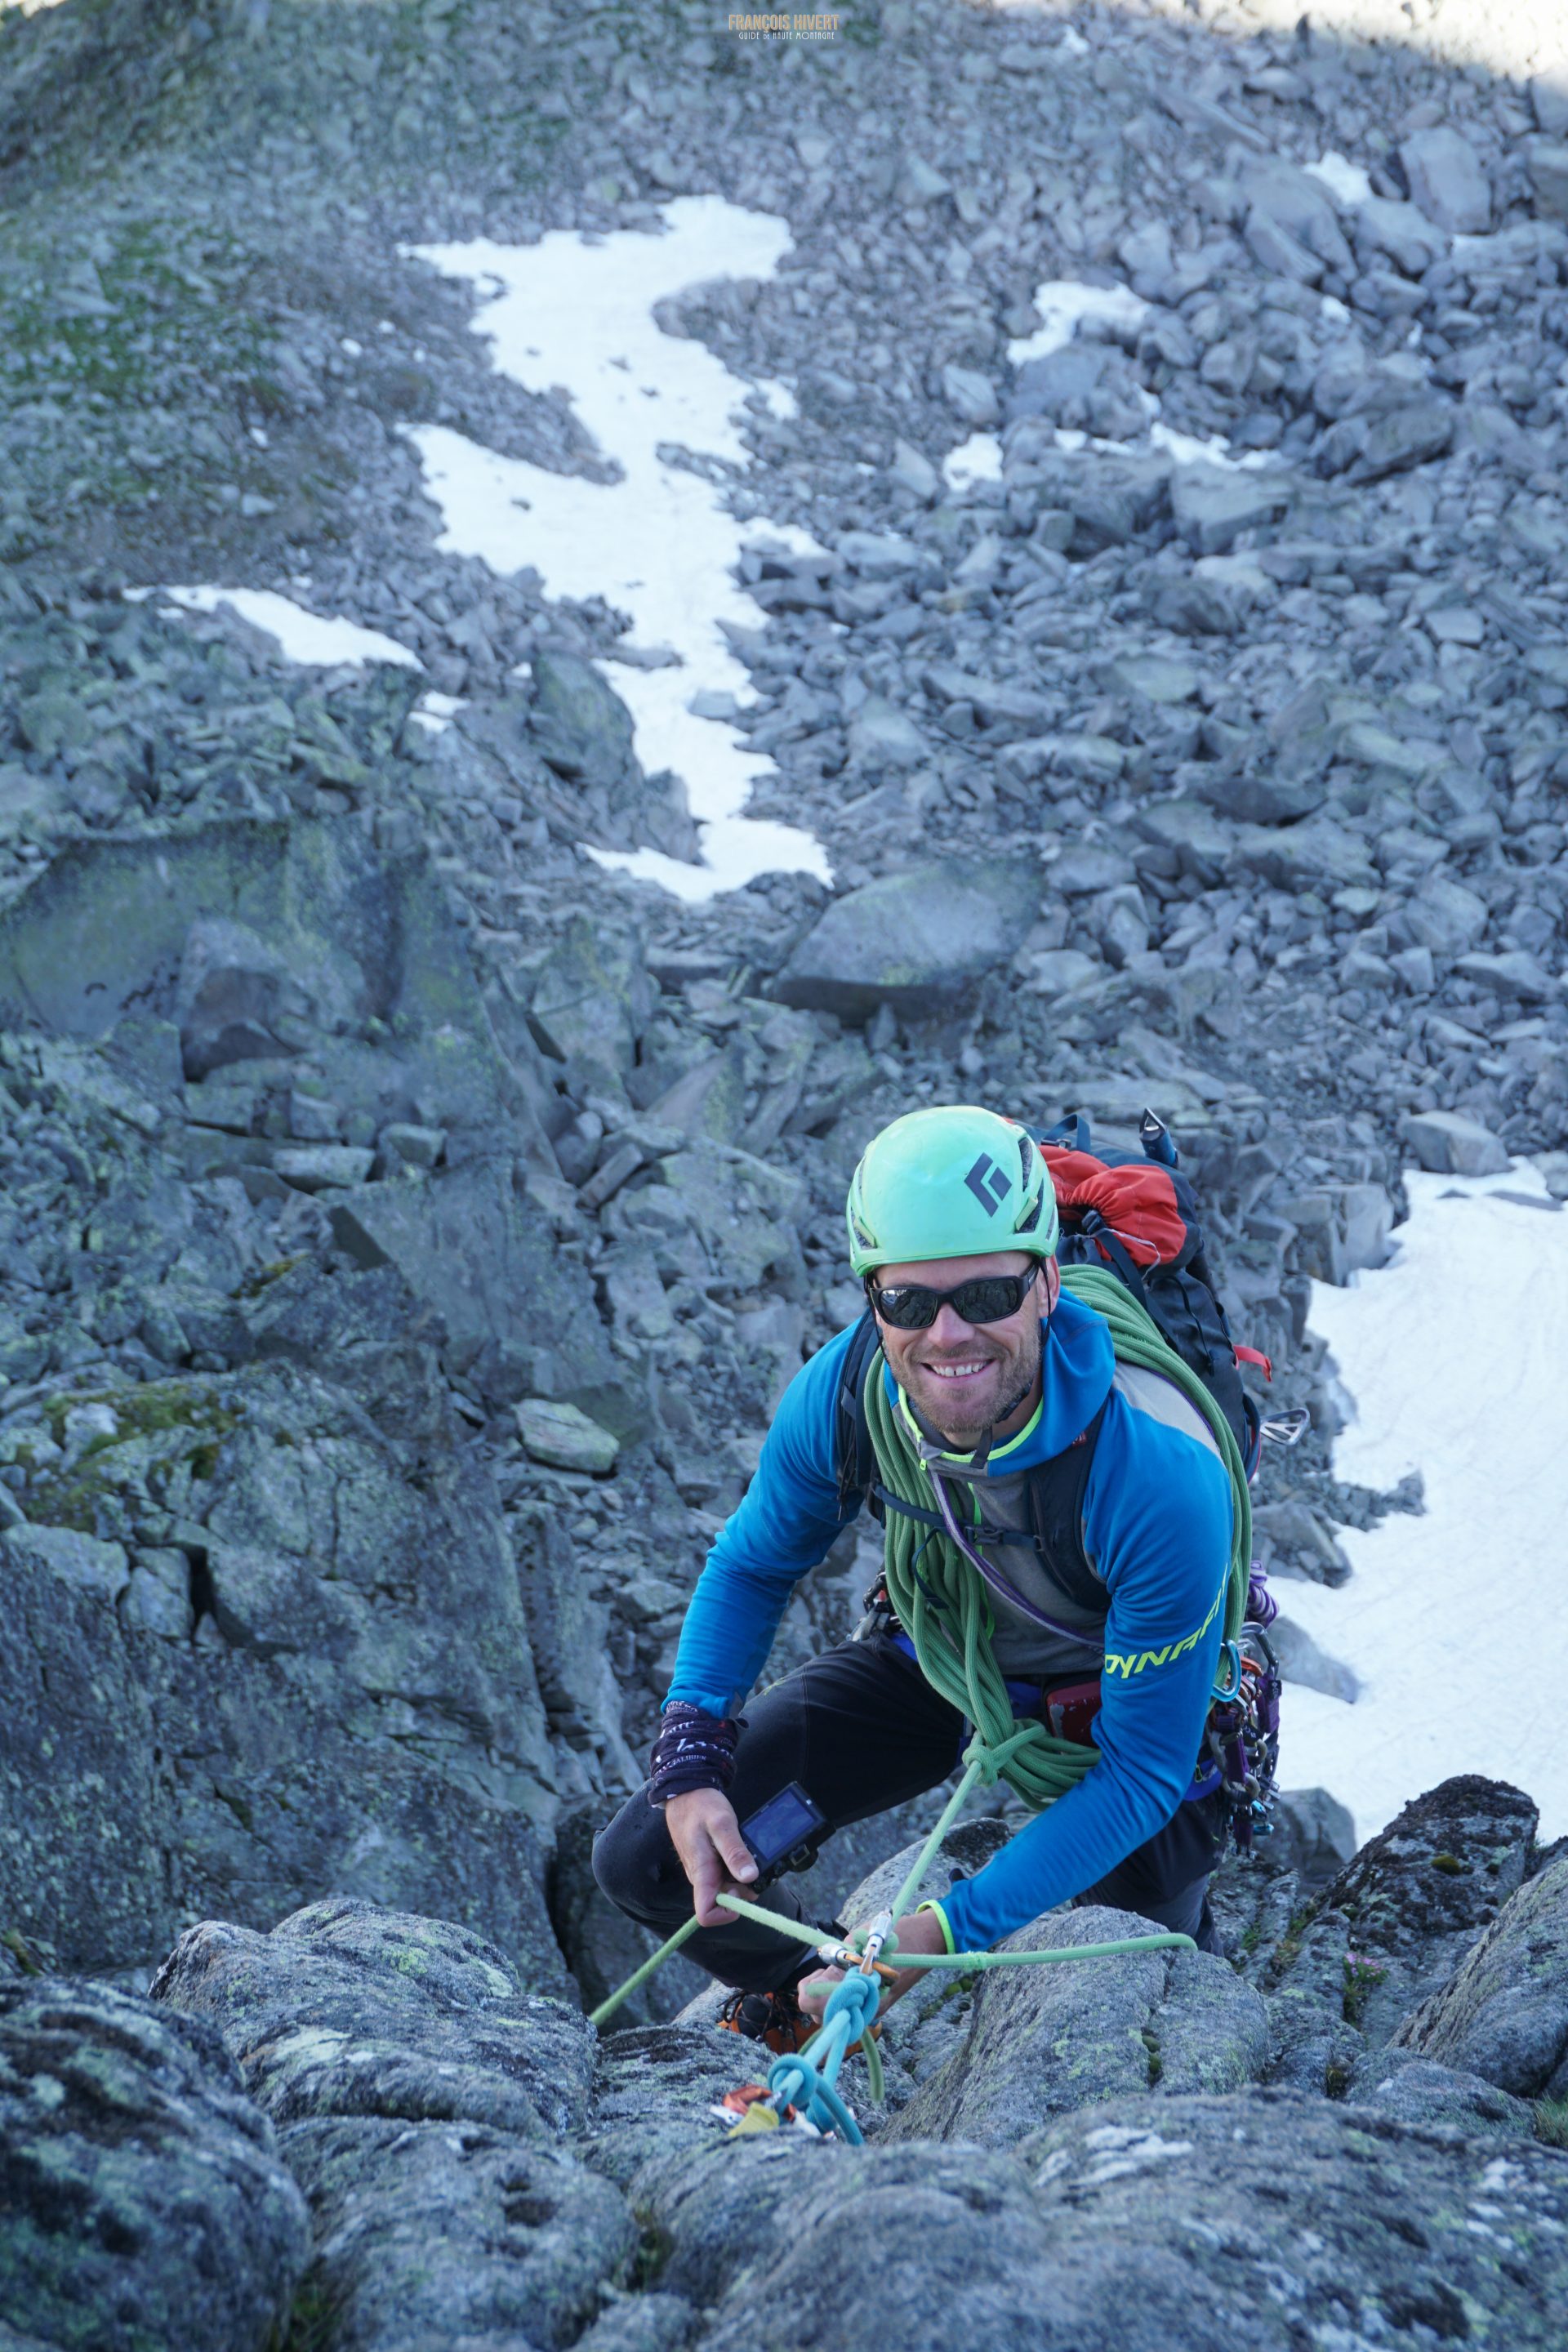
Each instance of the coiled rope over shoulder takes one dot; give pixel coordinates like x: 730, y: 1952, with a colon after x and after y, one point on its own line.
x: 942, y: 1603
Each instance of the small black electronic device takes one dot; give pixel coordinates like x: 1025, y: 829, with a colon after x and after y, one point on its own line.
x: 783, y: 1834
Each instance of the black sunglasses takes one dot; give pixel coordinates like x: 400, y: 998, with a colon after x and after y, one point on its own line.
x: 988, y: 1299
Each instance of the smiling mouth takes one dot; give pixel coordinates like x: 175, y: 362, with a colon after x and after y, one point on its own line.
x: 957, y: 1371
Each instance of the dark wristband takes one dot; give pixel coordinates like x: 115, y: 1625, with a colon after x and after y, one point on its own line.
x: 693, y: 1751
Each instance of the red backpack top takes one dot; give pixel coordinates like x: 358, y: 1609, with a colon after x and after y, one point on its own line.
x: 1138, y: 1217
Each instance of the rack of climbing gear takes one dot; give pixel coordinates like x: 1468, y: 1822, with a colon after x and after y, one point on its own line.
x: 1241, y: 1738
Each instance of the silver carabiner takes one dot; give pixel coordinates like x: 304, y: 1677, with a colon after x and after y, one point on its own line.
x: 1286, y: 1428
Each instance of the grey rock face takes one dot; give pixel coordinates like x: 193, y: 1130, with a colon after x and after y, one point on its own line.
x: 1344, y: 2206
x: 1303, y: 1660
x: 142, y: 2200
x: 882, y: 736
x: 971, y: 396
x: 915, y: 940
x: 1403, y: 231
x: 1548, y: 164
x: 327, y: 1581
x: 232, y: 989
x: 963, y: 2215
x: 448, y: 2234
x: 1419, y: 2091
x: 347, y: 1101
x: 421, y: 2093
x: 585, y: 727
x: 1389, y: 1930
x: 589, y: 1005
x: 655, y: 2087
x: 1504, y: 2015
x: 1213, y: 508
x: 1406, y: 437
x: 1116, y: 2231
x: 1044, y: 2039
x: 480, y: 1253
x: 1446, y: 916
x: 78, y: 1718
x: 1300, y: 203
x: 1315, y: 854
x: 347, y: 959
x: 348, y: 2010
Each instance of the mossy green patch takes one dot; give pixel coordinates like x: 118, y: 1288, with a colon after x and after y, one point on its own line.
x: 157, y: 1409
x: 654, y: 2249
x: 33, y: 1958
x: 149, y: 1409
x: 316, y: 2317
x: 136, y: 319
x: 1361, y: 1979
x: 1551, y: 2122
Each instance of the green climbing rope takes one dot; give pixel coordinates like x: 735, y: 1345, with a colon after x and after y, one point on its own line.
x: 979, y: 1767
x: 943, y: 1604
x: 1158, y: 1939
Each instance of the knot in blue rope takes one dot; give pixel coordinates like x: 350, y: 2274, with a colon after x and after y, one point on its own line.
x: 806, y: 2079
x: 858, y: 1998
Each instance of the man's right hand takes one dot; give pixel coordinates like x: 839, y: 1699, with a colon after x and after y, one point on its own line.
x: 713, y: 1854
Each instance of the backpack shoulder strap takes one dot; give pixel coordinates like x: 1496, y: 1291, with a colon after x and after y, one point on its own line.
x: 1056, y: 1492
x: 856, y: 1458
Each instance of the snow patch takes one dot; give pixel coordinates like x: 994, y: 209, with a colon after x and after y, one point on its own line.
x: 435, y: 711
x: 1452, y: 1618
x: 1187, y: 450
x: 309, y: 638
x: 1063, y: 304
x: 1346, y: 182
x: 575, y: 317
x: 978, y: 459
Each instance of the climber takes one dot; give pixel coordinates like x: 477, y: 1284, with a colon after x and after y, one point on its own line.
x: 1102, y: 1514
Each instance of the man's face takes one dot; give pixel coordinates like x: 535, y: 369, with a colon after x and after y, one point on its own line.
x: 967, y: 1378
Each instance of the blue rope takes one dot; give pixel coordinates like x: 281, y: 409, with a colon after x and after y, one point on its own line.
x: 806, y: 2079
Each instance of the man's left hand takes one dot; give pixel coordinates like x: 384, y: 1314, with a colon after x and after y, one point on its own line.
x: 918, y: 1931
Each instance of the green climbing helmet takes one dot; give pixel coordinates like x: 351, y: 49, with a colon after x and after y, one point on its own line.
x: 955, y: 1181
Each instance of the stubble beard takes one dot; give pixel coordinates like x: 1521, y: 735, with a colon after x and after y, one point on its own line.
x: 1020, y: 1370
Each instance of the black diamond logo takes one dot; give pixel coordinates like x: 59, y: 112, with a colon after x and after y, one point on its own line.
x: 988, y: 1184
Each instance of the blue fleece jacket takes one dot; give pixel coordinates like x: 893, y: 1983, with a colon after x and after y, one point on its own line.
x: 1157, y: 1528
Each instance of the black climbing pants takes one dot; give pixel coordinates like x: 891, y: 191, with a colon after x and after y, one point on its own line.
x: 861, y: 1729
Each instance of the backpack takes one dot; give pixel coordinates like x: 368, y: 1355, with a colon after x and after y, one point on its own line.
x: 1137, y: 1217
